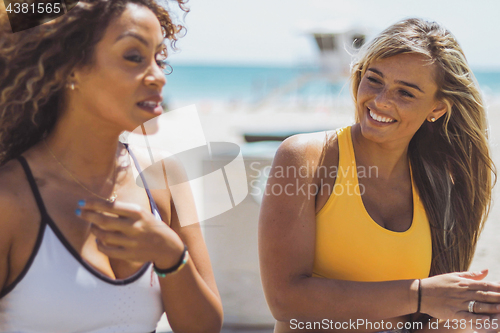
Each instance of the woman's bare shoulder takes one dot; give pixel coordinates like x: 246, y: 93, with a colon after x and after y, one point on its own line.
x: 12, y: 194
x: 307, y: 148
x: 12, y: 186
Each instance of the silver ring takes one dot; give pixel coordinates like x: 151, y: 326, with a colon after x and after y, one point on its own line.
x: 471, y: 306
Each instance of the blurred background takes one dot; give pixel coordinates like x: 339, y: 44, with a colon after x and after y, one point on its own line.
x: 237, y: 52
x: 259, y: 71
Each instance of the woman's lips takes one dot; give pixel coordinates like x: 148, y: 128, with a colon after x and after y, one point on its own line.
x: 379, y: 119
x: 151, y: 107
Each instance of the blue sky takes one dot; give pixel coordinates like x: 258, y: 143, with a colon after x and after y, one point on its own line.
x: 268, y: 32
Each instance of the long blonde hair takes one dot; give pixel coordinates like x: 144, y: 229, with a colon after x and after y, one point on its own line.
x: 450, y: 158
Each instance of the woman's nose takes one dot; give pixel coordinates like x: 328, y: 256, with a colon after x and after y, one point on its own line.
x: 383, y: 99
x: 155, y: 77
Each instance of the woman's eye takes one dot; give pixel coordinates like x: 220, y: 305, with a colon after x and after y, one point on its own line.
x: 134, y: 58
x: 372, y: 80
x: 163, y: 64
x: 406, y: 94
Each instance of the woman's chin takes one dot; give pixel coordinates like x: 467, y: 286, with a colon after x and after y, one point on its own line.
x: 151, y: 127
x: 373, y: 133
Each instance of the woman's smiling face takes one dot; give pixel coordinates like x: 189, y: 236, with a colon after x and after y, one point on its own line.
x: 123, y: 84
x: 395, y: 96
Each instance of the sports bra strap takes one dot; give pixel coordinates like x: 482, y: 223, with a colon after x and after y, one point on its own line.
x: 34, y: 187
x: 150, y: 196
x: 38, y: 197
x: 347, y: 161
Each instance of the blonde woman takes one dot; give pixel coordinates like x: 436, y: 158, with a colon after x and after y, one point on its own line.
x: 385, y: 223
x: 82, y: 247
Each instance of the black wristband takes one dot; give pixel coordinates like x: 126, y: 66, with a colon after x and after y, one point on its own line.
x: 419, y: 294
x: 172, y: 269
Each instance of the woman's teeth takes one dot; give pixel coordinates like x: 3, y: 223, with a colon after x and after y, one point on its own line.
x: 381, y: 119
x: 149, y: 104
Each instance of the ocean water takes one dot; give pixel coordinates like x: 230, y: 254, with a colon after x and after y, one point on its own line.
x: 252, y: 85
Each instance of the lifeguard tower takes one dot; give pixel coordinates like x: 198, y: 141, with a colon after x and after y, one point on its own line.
x: 337, y: 41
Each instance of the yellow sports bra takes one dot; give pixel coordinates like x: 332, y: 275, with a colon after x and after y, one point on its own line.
x: 350, y: 245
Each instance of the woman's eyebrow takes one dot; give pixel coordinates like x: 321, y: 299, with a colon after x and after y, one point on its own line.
x: 376, y: 71
x: 136, y: 36
x: 408, y: 84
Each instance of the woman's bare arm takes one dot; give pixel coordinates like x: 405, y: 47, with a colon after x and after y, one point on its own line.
x: 12, y: 213
x: 5, y: 237
x: 190, y: 297
x: 286, y: 249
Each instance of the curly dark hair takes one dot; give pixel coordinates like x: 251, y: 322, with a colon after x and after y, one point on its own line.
x: 35, y: 65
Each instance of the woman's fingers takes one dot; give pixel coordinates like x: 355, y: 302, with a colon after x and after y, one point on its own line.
x: 482, y: 291
x: 113, y: 238
x: 448, y: 296
x: 115, y: 245
x: 484, y: 286
x: 120, y: 208
x: 481, y: 307
x: 474, y: 275
x: 125, y: 231
x: 113, y: 251
x: 106, y: 222
x: 484, y: 296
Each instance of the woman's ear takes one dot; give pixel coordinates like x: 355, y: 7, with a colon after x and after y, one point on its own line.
x: 74, y: 79
x: 440, y: 110
x: 71, y: 81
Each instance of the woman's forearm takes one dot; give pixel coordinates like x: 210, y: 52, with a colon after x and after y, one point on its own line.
x: 317, y: 298
x: 190, y: 305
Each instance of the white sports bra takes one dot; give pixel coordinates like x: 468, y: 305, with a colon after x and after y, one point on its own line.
x: 57, y: 291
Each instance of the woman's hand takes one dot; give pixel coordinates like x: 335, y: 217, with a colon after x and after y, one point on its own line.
x: 447, y: 296
x: 126, y: 231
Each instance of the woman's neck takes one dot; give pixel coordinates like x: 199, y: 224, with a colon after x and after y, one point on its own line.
x: 88, y: 147
x: 390, y: 159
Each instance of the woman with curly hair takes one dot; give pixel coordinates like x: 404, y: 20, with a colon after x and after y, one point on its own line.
x: 82, y: 248
x: 384, y: 223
